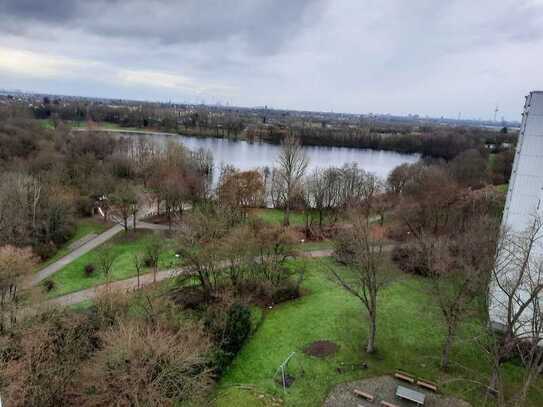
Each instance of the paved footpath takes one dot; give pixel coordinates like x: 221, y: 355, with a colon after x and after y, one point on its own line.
x: 87, y: 247
x: 131, y: 284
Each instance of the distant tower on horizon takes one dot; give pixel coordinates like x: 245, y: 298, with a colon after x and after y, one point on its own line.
x: 496, y: 110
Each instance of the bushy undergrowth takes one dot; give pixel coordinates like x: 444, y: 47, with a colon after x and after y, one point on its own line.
x: 122, y: 351
x: 229, y: 328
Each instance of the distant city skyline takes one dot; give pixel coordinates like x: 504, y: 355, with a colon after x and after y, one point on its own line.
x: 421, y: 57
x: 413, y: 115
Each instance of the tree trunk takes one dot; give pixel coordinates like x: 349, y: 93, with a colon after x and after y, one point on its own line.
x: 320, y: 219
x: 447, y: 348
x: 307, y: 225
x: 523, y: 395
x: 370, y: 348
x: 286, y: 221
x: 134, y: 220
x: 493, y: 384
x: 125, y: 219
x: 534, y: 371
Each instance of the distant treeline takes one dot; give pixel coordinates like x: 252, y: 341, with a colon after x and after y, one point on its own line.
x: 429, y: 141
x: 444, y: 143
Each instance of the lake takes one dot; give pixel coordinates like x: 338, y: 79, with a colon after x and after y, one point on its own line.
x: 245, y: 156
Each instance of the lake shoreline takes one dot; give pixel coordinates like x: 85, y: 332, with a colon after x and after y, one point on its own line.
x: 130, y: 132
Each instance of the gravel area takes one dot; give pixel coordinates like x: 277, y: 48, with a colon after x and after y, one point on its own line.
x: 384, y: 388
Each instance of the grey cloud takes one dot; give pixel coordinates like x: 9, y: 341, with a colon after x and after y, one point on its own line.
x: 262, y: 27
x: 347, y: 55
x: 36, y: 10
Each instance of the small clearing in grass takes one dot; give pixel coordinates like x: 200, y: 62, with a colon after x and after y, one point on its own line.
x: 321, y: 349
x: 384, y: 388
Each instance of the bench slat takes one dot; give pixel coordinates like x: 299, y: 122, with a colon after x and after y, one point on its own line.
x: 387, y: 404
x: 405, y: 377
x: 362, y: 394
x: 428, y: 385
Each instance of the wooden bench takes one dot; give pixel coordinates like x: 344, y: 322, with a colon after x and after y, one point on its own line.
x: 404, y: 376
x: 427, y: 384
x: 387, y: 404
x: 364, y: 395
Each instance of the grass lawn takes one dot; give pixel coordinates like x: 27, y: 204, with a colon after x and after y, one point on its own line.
x: 49, y: 124
x: 502, y: 188
x: 84, y: 227
x: 297, y: 218
x: 316, y: 245
x: 46, y: 123
x: 276, y: 216
x: 72, y: 278
x: 116, y: 126
x: 410, y: 335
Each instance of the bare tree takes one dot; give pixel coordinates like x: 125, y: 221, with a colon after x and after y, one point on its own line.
x: 153, y: 251
x: 277, y: 189
x: 241, y: 190
x: 106, y: 258
x: 45, y: 369
x: 458, y: 269
x: 398, y: 178
x: 139, y: 263
x: 292, y: 163
x: 125, y: 203
x: 149, y: 365
x: 515, y: 307
x: 15, y: 263
x: 20, y: 197
x: 359, y: 188
x: 323, y: 190
x: 199, y: 247
x: 273, y: 245
x: 364, y: 256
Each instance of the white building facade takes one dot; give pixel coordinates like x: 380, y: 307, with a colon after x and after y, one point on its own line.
x: 523, y: 210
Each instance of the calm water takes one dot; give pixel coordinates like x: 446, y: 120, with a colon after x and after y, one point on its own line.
x: 244, y: 155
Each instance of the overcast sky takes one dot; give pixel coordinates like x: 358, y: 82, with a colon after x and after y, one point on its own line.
x: 382, y: 56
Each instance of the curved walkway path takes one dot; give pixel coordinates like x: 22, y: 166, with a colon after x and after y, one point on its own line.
x: 131, y: 284
x: 87, y: 247
x: 80, y: 251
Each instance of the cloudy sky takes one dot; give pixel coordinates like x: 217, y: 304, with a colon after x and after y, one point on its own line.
x: 383, y: 56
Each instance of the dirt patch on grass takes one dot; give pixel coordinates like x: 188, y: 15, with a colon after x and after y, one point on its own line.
x: 321, y: 349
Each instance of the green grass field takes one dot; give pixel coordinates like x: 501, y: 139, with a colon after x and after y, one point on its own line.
x: 72, y: 277
x: 410, y: 335
x: 84, y: 227
x: 316, y: 245
x: 502, y: 188
x: 49, y: 124
x: 276, y: 216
